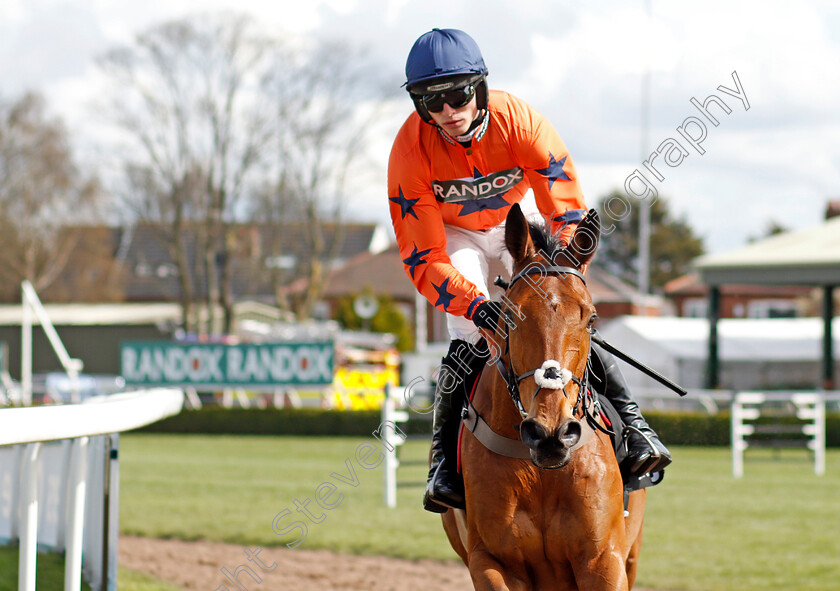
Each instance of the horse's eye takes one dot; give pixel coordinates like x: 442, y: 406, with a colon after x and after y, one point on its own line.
x: 591, y: 324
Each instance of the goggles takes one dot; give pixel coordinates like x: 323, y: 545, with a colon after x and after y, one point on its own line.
x: 456, y: 98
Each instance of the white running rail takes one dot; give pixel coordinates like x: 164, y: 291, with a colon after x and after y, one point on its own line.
x: 29, y: 429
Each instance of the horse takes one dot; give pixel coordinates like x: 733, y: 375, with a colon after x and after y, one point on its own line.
x: 545, y: 507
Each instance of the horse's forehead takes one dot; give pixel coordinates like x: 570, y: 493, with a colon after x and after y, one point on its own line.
x: 554, y: 296
x: 563, y: 286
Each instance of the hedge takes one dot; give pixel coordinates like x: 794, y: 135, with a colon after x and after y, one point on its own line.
x: 674, y: 428
x: 285, y: 421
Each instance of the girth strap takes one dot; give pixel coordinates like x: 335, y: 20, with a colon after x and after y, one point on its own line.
x: 498, y: 444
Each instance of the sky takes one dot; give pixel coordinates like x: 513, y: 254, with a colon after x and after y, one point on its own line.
x: 775, y: 157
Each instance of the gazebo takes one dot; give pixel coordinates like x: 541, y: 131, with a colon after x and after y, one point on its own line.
x: 802, y: 257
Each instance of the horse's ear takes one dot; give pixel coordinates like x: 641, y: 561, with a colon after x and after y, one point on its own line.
x: 517, y: 235
x: 585, y: 240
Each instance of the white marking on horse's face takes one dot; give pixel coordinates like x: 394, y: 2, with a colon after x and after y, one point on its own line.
x: 558, y: 376
x: 554, y: 300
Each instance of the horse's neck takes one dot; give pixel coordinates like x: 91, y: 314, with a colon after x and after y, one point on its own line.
x: 494, y: 404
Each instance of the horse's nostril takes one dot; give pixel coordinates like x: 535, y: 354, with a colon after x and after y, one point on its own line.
x: 569, y: 433
x: 532, y: 433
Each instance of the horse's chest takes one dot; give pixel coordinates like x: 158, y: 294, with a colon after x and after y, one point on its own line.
x: 555, y: 515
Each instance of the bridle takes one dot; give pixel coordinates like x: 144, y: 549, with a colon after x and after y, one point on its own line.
x: 550, y: 374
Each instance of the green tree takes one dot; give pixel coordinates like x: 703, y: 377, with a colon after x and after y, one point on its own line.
x: 771, y: 228
x: 673, y: 244
x: 388, y: 319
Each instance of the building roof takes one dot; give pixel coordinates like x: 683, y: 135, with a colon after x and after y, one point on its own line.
x: 804, y: 257
x: 779, y: 339
x: 128, y: 314
x: 691, y: 285
x: 381, y: 272
x: 605, y: 287
x: 96, y: 314
x: 260, y: 249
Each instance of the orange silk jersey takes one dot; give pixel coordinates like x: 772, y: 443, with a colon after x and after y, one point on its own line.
x: 433, y: 181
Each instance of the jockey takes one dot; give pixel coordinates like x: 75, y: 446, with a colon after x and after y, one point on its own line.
x: 458, y: 164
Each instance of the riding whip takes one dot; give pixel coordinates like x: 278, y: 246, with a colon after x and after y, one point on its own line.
x: 640, y: 366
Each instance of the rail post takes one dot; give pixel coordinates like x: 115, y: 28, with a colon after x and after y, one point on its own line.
x: 391, y: 439
x: 76, y: 515
x: 740, y: 430
x: 29, y: 518
x: 809, y: 407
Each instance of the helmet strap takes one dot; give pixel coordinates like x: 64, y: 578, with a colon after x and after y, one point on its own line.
x: 475, y: 132
x: 479, y: 121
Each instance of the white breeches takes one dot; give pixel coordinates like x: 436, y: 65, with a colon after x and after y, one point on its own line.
x: 470, y: 252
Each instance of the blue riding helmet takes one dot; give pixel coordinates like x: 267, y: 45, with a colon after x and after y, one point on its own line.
x: 444, y: 59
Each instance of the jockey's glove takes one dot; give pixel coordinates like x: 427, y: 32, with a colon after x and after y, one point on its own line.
x: 487, y: 314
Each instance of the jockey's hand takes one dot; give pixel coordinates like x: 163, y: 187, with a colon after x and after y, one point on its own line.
x: 487, y: 314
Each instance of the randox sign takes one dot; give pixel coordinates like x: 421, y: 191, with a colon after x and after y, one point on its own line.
x: 263, y: 366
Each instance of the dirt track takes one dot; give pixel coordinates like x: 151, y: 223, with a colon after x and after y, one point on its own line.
x: 198, y: 565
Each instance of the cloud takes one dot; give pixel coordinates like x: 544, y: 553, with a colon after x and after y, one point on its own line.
x: 46, y: 43
x: 580, y: 63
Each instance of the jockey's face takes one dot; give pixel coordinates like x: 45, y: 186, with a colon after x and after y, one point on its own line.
x: 456, y: 122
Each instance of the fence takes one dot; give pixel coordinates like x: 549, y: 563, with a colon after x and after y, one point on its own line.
x: 809, y: 432
x: 398, y: 399
x: 808, y: 407
x: 60, y: 480
x: 392, y: 439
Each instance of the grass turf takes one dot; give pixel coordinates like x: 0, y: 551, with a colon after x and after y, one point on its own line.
x: 50, y: 574
x: 49, y: 570
x: 775, y: 529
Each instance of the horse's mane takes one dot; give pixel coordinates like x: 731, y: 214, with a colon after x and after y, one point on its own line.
x: 544, y: 240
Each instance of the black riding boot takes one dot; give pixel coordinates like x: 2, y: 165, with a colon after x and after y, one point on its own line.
x: 459, y: 370
x: 645, y: 452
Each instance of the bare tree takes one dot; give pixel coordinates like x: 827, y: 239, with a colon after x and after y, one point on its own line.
x: 227, y: 123
x: 41, y: 190
x: 174, y: 212
x: 326, y: 99
x: 188, y: 93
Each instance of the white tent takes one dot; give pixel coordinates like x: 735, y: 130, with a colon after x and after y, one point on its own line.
x: 765, y: 354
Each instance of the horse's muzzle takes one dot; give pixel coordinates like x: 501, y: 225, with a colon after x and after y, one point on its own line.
x: 550, y: 449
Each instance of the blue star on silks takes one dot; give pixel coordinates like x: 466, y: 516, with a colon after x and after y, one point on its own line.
x: 572, y: 216
x: 416, y: 258
x: 406, y: 205
x: 554, y: 171
x: 473, y: 205
x: 444, y: 297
